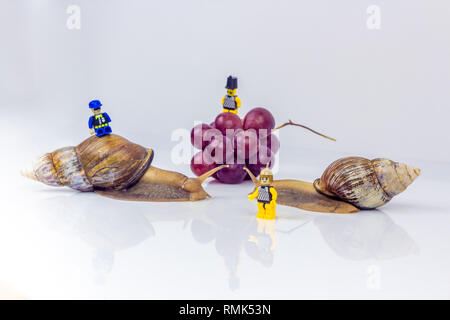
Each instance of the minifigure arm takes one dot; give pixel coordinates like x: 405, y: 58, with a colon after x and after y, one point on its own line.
x: 223, y: 100
x: 253, y: 195
x: 108, y: 119
x: 274, y: 194
x: 91, y: 122
x: 238, y: 101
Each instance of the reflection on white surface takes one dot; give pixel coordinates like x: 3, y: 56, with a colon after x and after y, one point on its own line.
x: 109, y: 227
x: 368, y: 235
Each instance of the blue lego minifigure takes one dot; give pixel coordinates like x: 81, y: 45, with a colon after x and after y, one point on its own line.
x: 99, y: 122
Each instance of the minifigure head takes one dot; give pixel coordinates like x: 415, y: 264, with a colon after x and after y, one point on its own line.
x: 266, y: 177
x: 231, y: 92
x: 231, y: 85
x: 95, y: 106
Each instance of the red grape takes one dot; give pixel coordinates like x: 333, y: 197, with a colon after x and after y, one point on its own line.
x: 250, y: 143
x: 220, y: 149
x: 245, y: 143
x: 270, y: 141
x: 228, y: 120
x: 200, y: 163
x: 263, y: 156
x: 274, y: 143
x: 259, y: 118
x: 198, y: 136
x: 233, y: 174
x: 254, y: 168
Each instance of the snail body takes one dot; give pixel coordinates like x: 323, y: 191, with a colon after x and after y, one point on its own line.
x: 115, y: 167
x: 365, y: 183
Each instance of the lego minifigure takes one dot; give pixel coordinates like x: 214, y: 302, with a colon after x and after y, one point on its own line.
x: 266, y: 195
x: 99, y: 122
x: 231, y: 101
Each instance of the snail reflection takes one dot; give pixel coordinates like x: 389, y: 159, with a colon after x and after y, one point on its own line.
x: 107, y: 228
x: 355, y: 237
x: 369, y: 235
x: 235, y: 235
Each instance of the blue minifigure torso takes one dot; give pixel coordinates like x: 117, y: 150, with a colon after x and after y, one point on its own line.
x: 100, y: 123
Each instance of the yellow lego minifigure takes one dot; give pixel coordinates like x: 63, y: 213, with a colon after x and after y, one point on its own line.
x: 231, y: 101
x: 266, y: 195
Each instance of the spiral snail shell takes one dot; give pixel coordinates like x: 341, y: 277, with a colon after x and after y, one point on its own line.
x: 367, y: 184
x: 115, y: 167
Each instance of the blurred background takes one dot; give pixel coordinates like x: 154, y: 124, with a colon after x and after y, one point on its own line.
x: 377, y: 81
x: 160, y: 66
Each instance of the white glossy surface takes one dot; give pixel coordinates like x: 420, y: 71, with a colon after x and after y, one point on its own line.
x: 58, y: 243
x: 161, y: 65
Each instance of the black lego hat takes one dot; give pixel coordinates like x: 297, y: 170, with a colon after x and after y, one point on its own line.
x: 231, y: 83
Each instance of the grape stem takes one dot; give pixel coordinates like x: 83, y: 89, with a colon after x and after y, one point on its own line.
x: 290, y: 123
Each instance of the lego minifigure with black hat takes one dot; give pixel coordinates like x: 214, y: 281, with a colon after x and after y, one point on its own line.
x: 231, y: 101
x: 99, y: 122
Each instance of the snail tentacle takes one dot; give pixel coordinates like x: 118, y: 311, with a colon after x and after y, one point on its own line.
x: 208, y: 174
x: 252, y: 176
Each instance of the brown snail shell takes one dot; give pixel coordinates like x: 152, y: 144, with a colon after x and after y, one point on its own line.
x: 365, y: 183
x: 115, y: 167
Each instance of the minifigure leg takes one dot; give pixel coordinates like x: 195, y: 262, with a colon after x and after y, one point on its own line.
x: 261, y: 211
x: 270, y: 211
x: 108, y: 130
x: 235, y: 111
x: 99, y: 132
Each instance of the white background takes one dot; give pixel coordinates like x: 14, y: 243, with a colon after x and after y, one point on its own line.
x: 160, y: 65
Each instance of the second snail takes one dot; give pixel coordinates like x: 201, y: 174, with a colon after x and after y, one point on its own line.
x: 346, y: 186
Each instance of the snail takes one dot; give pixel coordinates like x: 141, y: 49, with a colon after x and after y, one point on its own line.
x: 347, y: 185
x: 302, y: 195
x: 114, y: 167
x: 367, y: 184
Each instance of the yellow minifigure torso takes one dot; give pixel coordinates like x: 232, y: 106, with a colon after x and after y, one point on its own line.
x: 231, y: 94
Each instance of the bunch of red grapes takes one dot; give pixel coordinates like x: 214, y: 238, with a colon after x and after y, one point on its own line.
x: 236, y: 142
